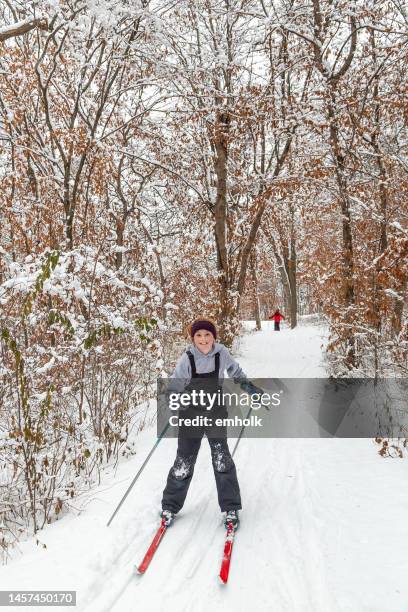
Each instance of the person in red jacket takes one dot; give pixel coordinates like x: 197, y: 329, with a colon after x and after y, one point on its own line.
x: 277, y: 317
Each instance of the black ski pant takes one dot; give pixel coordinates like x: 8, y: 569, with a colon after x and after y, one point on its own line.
x: 181, y: 473
x: 277, y: 325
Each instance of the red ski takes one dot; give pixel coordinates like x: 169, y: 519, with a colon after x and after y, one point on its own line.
x: 152, y: 548
x: 226, y: 560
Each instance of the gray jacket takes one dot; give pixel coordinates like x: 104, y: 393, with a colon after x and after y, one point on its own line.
x: 205, y: 364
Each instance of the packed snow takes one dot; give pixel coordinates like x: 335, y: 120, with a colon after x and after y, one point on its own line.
x: 323, y: 526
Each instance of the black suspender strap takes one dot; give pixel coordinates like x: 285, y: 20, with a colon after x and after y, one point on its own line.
x: 193, y: 366
x: 217, y: 365
x: 192, y: 363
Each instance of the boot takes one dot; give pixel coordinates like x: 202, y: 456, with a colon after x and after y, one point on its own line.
x: 167, y: 516
x: 231, y: 518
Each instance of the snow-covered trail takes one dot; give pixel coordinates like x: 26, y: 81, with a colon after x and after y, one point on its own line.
x: 323, y: 526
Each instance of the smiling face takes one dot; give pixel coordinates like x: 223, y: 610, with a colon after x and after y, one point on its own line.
x: 203, y: 340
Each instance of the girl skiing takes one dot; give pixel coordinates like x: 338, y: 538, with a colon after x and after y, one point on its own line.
x: 277, y: 317
x: 204, y: 363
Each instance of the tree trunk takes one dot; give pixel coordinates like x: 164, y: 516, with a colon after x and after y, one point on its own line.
x: 331, y: 79
x: 347, y: 238
x: 226, y: 318
x: 120, y: 227
x: 257, y: 311
x: 287, y: 264
x: 399, y: 309
x: 291, y: 274
x: 290, y: 261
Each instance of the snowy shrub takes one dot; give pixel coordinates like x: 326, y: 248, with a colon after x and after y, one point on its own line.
x: 80, y: 353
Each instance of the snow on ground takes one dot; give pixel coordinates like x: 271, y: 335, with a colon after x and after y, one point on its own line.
x: 323, y: 527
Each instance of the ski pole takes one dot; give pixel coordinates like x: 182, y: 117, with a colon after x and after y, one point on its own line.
x: 241, y: 432
x: 284, y: 387
x: 138, y: 474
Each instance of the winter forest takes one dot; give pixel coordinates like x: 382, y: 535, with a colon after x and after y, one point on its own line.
x: 160, y: 160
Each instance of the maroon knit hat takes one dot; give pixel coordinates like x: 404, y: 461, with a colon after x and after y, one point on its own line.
x: 203, y: 324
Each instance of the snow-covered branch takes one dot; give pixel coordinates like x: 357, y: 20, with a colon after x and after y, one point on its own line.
x: 22, y: 27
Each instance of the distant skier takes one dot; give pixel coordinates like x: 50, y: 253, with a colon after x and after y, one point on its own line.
x: 277, y: 318
x: 205, y: 359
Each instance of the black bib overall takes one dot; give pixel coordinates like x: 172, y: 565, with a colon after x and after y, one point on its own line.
x: 189, y: 441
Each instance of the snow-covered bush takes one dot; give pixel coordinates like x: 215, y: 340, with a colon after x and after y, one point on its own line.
x: 80, y: 351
